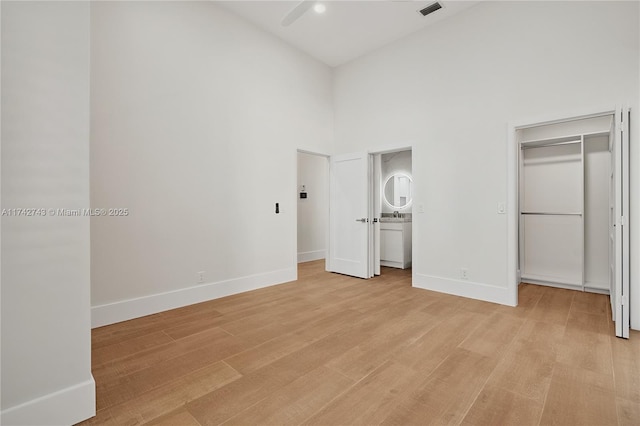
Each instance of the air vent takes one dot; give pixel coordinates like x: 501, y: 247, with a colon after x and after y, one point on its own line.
x: 430, y: 9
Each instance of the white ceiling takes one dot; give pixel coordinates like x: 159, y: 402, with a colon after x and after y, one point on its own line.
x: 347, y: 29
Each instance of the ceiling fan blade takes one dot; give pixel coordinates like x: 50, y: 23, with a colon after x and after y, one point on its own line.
x: 297, y: 12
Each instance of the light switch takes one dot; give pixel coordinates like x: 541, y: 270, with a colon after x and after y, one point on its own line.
x: 502, y: 208
x: 420, y: 208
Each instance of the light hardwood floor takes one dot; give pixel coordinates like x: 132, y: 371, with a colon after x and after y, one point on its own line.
x: 333, y: 350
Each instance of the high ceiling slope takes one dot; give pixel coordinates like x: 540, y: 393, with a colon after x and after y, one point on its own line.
x: 346, y: 29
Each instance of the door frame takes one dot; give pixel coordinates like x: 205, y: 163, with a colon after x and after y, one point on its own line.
x: 326, y: 224
x: 375, y: 243
x: 513, y: 158
x: 371, y: 152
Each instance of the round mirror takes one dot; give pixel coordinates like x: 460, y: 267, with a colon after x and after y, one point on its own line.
x: 397, y: 190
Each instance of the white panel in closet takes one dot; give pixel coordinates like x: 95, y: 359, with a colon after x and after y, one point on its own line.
x: 552, y: 248
x: 596, y: 205
x: 552, y: 179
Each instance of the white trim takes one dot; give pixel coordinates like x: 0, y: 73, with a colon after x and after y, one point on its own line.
x: 64, y: 407
x: 555, y: 118
x: 469, y: 289
x: 513, y: 273
x: 124, y: 310
x: 304, y: 151
x: 387, y: 149
x: 512, y: 181
x: 309, y: 256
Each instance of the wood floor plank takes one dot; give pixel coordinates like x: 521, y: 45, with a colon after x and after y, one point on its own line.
x: 585, y: 349
x: 396, y: 335
x: 528, y: 297
x: 540, y: 336
x: 308, y: 315
x: 179, y: 418
x: 113, y: 371
x: 334, y: 350
x: 448, y: 392
x: 123, y: 331
x: 123, y: 389
x: 525, y: 373
x: 579, y: 397
x: 527, y: 366
x: 110, y: 353
x: 583, y: 321
x: 369, y: 401
x: 479, y: 306
x: 497, y: 406
x: 275, y: 349
x: 222, y: 404
x: 553, y: 306
x: 426, y: 353
x: 494, y: 335
x: 257, y: 385
x: 591, y: 303
x: 295, y: 402
x: 626, y: 365
x: 628, y: 412
x: 173, y: 395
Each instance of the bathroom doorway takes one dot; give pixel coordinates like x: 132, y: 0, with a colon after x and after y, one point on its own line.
x: 370, y: 212
x: 392, y: 207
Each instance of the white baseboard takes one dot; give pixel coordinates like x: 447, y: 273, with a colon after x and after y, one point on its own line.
x: 472, y: 290
x: 308, y: 256
x: 64, y: 407
x: 134, y: 308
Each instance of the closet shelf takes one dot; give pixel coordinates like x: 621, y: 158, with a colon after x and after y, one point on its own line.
x: 561, y: 140
x: 552, y: 213
x: 543, y: 144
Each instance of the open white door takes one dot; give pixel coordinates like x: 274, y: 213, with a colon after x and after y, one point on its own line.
x: 377, y: 171
x: 620, y: 236
x: 349, y: 215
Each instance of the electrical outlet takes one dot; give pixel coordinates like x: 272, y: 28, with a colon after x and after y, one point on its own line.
x: 201, y: 277
x: 464, y: 273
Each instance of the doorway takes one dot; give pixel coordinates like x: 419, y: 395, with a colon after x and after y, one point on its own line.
x: 357, y: 199
x: 312, y: 193
x: 392, y: 210
x: 572, y: 201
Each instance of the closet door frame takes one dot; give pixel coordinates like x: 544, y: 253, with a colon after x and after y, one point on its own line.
x: 513, y: 191
x: 621, y: 221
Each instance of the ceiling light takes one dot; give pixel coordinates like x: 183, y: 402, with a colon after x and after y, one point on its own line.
x: 319, y: 8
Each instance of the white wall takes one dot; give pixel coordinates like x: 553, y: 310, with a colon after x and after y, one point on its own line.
x: 46, y: 341
x: 196, y: 118
x: 313, y: 211
x: 450, y: 92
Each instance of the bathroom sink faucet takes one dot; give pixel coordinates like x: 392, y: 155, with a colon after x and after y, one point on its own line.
x: 396, y: 214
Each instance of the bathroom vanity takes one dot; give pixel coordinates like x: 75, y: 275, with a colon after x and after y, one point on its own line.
x: 395, y: 242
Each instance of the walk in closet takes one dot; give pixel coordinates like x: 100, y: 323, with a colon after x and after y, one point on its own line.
x: 566, y: 204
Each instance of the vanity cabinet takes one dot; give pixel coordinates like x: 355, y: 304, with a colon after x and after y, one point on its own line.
x: 395, y: 244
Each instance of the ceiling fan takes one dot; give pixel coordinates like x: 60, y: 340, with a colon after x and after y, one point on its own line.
x: 297, y: 12
x: 302, y: 7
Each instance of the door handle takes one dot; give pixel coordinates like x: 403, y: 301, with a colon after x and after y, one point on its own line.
x: 363, y: 220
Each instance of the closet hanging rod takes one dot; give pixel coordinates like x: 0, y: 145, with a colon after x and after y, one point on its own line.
x: 542, y: 145
x: 551, y: 214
